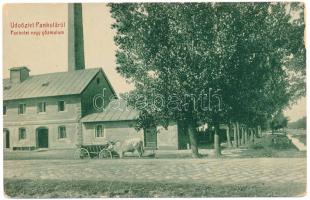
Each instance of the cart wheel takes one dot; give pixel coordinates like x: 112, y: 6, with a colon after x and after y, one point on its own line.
x: 104, y: 153
x: 81, y: 154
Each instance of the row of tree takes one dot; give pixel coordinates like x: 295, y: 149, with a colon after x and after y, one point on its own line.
x: 299, y: 124
x: 279, y: 121
x: 246, y: 59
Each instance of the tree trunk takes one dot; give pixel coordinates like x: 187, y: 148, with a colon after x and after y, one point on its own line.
x: 238, y: 134
x: 246, y: 135
x: 228, y: 137
x: 217, y: 145
x: 235, y: 136
x: 192, y: 138
x: 243, y: 135
x: 210, y: 134
x: 252, y: 135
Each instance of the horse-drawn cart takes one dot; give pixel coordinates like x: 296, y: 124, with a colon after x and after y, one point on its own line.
x: 101, y: 151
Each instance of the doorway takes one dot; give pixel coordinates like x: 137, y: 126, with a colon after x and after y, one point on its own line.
x: 150, y: 138
x: 7, y: 138
x: 42, y: 137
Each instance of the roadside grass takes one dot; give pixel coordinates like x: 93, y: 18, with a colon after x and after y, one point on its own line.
x: 272, y: 146
x: 300, y: 134
x: 301, y: 138
x: 81, y: 189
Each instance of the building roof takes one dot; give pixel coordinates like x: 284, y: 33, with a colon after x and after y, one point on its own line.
x: 52, y: 84
x: 117, y: 110
x: 19, y: 68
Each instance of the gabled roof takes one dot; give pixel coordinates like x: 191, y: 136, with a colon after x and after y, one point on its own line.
x: 117, y: 110
x: 52, y: 84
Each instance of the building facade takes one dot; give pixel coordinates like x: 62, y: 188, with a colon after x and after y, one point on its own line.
x: 44, y: 111
x: 66, y: 109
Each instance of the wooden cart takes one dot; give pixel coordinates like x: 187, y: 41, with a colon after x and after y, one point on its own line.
x: 101, y: 151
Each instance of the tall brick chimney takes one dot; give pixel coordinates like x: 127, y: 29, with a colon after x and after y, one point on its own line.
x: 75, y: 37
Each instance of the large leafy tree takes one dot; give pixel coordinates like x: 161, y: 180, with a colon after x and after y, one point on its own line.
x: 264, y: 41
x: 204, y: 62
x: 278, y: 121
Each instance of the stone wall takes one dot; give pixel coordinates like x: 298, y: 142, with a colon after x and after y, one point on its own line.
x: 51, y: 120
x: 53, y: 141
x: 120, y: 130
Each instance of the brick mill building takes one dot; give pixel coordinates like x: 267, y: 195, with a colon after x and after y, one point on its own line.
x: 56, y: 110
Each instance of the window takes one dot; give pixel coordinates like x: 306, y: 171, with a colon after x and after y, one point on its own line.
x: 99, y: 131
x: 61, y: 106
x: 62, y: 132
x: 22, y: 133
x: 41, y: 107
x: 22, y: 108
x: 4, y: 110
x: 98, y: 80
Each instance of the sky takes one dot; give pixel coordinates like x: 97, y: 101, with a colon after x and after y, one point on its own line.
x: 47, y: 54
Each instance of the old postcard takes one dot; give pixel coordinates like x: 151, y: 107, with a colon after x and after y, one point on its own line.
x: 183, y: 99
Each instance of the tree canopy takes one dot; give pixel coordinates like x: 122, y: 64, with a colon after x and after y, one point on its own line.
x: 210, y: 62
x: 278, y: 121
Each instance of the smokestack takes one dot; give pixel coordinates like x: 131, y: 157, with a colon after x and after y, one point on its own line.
x: 75, y: 37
